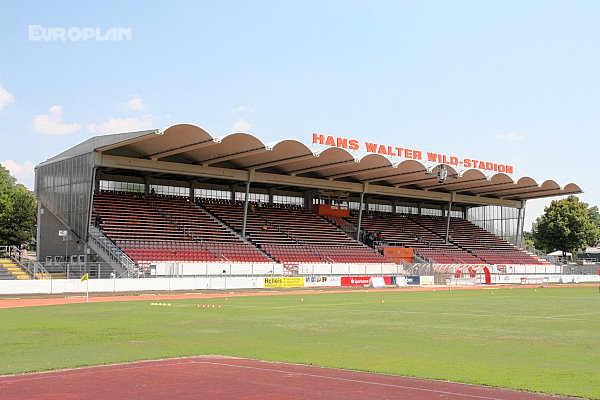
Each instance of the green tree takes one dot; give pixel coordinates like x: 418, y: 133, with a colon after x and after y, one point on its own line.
x: 17, y: 212
x: 567, y: 225
x: 595, y: 216
x: 528, y: 239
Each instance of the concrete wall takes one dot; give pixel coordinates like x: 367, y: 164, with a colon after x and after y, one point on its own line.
x: 51, y: 286
x: 350, y: 269
x: 52, y: 244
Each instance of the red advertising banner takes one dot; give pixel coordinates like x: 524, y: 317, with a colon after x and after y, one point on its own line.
x: 362, y: 280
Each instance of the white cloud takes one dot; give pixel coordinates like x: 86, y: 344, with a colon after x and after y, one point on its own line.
x: 242, y: 126
x: 136, y: 103
x: 23, y: 173
x: 511, y: 137
x: 243, y: 108
x: 119, y: 125
x: 51, y: 123
x: 5, y: 98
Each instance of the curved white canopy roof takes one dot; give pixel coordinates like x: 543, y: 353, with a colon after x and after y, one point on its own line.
x: 192, y: 146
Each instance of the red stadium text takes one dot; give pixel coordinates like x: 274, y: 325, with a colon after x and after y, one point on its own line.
x: 411, y: 154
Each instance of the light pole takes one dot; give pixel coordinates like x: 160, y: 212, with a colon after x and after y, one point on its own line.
x: 66, y: 239
x: 65, y: 236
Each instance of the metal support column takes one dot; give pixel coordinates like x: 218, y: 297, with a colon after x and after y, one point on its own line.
x: 270, y: 193
x: 521, y: 217
x: 147, y: 184
x: 502, y: 223
x: 360, y: 208
x: 192, y: 191
x: 245, y: 209
x: 448, y: 221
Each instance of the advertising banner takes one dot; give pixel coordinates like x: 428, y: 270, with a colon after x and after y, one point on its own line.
x: 320, y: 281
x: 284, y: 282
x: 362, y: 280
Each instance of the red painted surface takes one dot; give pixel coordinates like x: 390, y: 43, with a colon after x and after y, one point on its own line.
x: 326, y: 209
x: 398, y: 254
x: 232, y: 378
x: 473, y: 269
x: 362, y: 280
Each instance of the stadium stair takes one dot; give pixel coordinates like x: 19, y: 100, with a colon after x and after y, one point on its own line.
x: 469, y: 243
x: 290, y: 234
x: 159, y: 228
x: 230, y: 229
x: 11, y: 270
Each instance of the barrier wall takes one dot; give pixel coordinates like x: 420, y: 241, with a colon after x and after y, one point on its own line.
x: 527, y: 269
x: 350, y: 269
x: 51, y: 286
x: 529, y: 279
x: 505, y: 269
x: 190, y: 269
x: 184, y: 269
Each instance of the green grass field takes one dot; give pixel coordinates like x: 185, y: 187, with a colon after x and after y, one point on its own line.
x: 545, y: 340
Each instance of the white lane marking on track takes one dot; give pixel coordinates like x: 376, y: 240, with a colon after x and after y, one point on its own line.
x: 353, y: 380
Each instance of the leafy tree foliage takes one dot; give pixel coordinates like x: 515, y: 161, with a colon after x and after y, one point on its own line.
x: 595, y: 216
x: 17, y: 212
x: 528, y: 239
x: 568, y: 225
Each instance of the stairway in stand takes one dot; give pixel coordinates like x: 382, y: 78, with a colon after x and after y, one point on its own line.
x: 10, y: 270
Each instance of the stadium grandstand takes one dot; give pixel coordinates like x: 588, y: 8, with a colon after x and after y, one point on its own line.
x: 140, y: 203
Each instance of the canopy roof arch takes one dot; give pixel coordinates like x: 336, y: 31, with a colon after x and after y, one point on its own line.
x: 186, y: 151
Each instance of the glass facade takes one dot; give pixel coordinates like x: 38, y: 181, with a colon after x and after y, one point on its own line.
x: 122, y: 186
x: 501, y: 221
x: 212, y: 194
x: 169, y: 190
x: 292, y: 200
x: 65, y: 189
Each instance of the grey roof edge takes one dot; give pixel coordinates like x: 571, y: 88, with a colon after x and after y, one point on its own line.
x: 96, y: 142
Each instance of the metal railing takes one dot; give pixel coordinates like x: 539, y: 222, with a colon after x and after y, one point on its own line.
x: 540, y: 254
x: 115, y: 254
x: 428, y: 268
x: 32, y: 267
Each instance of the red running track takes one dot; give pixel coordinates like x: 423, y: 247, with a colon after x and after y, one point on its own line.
x: 235, y: 378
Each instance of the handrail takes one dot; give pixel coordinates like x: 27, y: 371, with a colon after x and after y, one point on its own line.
x: 33, y: 268
x: 36, y: 269
x: 114, y: 252
x: 531, y: 249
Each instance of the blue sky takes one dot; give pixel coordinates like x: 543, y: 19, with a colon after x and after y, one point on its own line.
x: 515, y: 82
